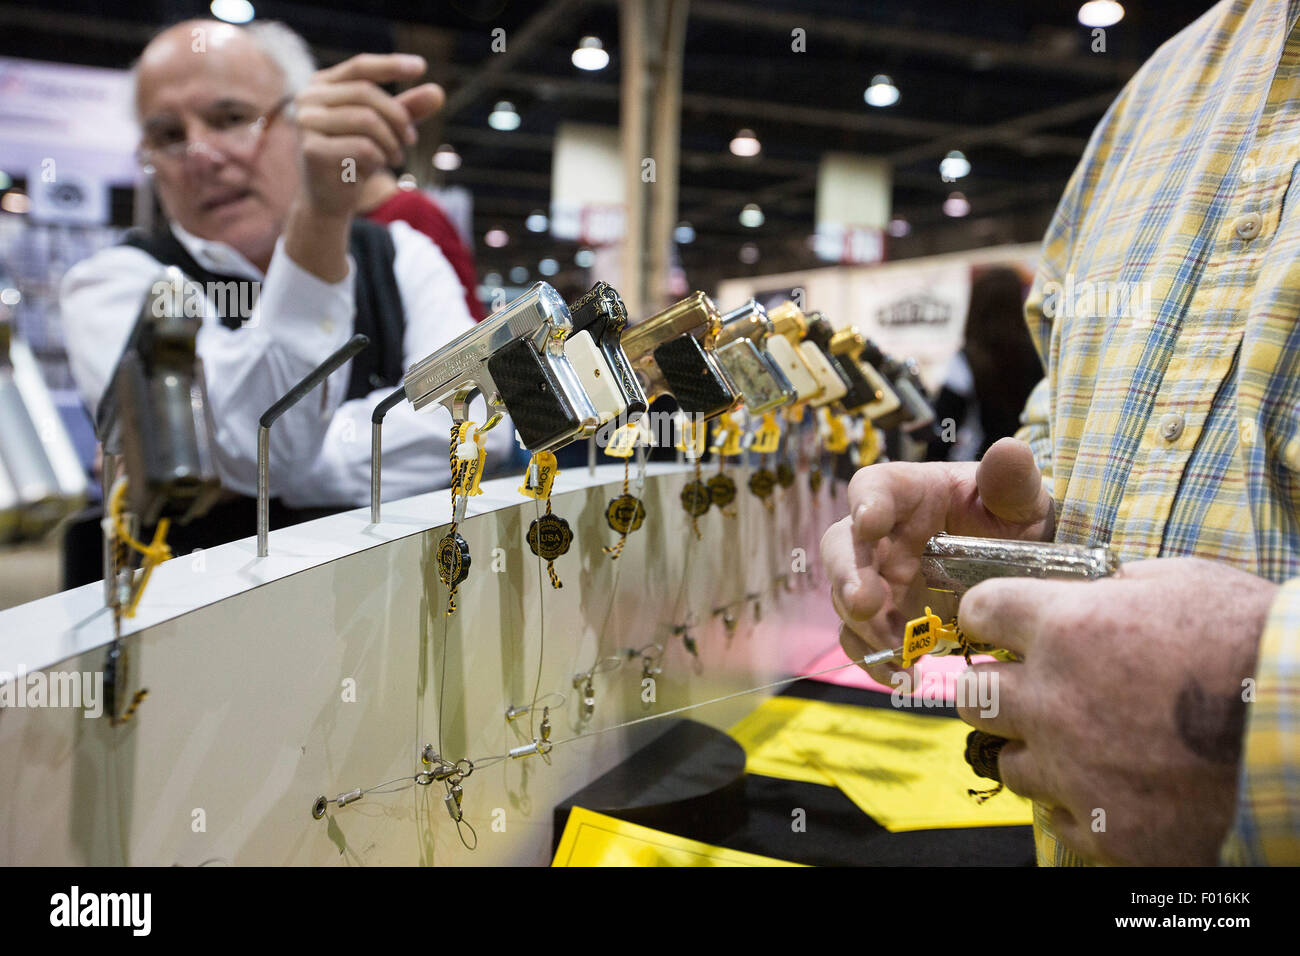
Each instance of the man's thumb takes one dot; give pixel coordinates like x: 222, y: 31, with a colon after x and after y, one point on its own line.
x: 1010, y: 484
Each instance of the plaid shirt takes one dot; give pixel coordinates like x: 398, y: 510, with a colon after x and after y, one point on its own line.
x: 1166, y: 310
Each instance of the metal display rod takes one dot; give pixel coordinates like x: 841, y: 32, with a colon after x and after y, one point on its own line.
x: 286, y: 402
x: 376, y: 441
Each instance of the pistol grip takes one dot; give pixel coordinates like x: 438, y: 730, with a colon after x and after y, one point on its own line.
x: 532, y: 394
x: 693, y: 381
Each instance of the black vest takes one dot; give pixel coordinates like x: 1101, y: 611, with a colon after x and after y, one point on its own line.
x: 379, y: 312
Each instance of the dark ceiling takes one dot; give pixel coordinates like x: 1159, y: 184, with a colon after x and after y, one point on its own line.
x: 1013, y: 83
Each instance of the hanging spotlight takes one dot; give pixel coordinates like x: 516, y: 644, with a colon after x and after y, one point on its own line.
x: 745, y: 143
x: 956, y: 205
x: 518, y: 275
x: 1101, y: 13
x: 10, y: 296
x: 954, y: 166
x: 407, y: 182
x: 504, y: 117
x: 684, y: 234
x: 898, y: 228
x: 584, y: 258
x: 882, y: 91
x: 590, y: 54
x: 446, y: 158
x: 232, y: 11
x: 496, y: 238
x: 749, y: 253
x: 492, y: 279
x: 751, y: 216
x: 548, y: 267
x: 537, y: 221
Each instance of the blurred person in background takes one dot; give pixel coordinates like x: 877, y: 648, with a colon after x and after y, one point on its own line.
x: 990, y: 378
x: 259, y: 161
x: 385, y: 199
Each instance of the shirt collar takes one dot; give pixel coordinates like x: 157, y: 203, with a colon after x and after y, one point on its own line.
x: 216, y: 256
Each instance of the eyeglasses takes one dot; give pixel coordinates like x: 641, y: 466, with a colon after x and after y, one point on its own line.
x: 229, y: 131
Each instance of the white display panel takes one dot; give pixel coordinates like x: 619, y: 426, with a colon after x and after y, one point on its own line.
x: 248, y: 660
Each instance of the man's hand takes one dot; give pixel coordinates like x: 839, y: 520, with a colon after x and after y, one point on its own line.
x: 350, y: 128
x: 873, y: 557
x: 1127, y: 711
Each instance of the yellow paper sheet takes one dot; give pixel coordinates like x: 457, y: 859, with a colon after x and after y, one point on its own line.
x: 905, y: 770
x: 766, y: 751
x: 593, y: 839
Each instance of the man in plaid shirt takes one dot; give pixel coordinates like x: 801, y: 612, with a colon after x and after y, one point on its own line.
x: 1168, y: 697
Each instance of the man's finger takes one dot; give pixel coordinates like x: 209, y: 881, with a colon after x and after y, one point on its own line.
x: 422, y: 101
x: 1010, y: 484
x: 1021, y: 774
x: 377, y: 68
x: 1007, y: 612
x: 357, y: 93
x: 995, y: 699
x: 856, y: 589
x: 350, y: 121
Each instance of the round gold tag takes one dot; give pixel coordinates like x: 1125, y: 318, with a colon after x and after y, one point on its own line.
x: 722, y: 490
x: 784, y: 475
x: 761, y: 482
x: 696, y: 498
x: 549, y: 536
x: 453, y: 559
x: 625, y: 513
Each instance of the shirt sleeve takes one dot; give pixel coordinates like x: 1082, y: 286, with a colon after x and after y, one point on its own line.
x: 1266, y: 830
x: 299, y: 320
x: 415, y: 445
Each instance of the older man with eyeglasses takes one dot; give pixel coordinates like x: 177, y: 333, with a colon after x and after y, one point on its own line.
x: 258, y: 161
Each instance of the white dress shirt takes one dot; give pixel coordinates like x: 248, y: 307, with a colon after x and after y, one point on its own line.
x: 320, y: 449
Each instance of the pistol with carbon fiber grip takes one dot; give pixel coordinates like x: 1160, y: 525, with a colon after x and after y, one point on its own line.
x: 673, y: 354
x: 519, y: 359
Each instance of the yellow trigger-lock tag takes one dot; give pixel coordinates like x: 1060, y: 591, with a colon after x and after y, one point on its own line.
x: 471, y: 452
x: 925, y: 635
x: 622, y: 443
x: 836, y: 437
x: 541, y: 469
x: 691, y: 436
x: 869, y: 447
x: 767, y: 437
x: 726, y: 439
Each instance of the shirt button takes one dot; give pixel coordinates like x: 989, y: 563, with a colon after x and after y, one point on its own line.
x: 1171, y: 426
x: 1248, y: 226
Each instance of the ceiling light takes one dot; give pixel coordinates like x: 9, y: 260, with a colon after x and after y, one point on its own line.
x: 954, y: 166
x: 492, y: 278
x: 407, y: 182
x: 684, y: 234
x: 590, y: 54
x: 749, y: 253
x: 956, y: 205
x: 232, y: 11
x: 548, y: 267
x: 518, y: 275
x: 537, y: 221
x: 504, y: 117
x: 446, y: 158
x: 1101, y: 13
x: 881, y: 92
x: 496, y: 238
x: 745, y: 143
x: 898, y: 228
x: 10, y: 296
x: 584, y: 258
x: 751, y: 216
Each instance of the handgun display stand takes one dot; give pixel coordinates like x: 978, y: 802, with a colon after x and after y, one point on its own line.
x: 330, y: 666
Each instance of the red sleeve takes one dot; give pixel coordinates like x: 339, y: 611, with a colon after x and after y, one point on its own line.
x: 422, y: 214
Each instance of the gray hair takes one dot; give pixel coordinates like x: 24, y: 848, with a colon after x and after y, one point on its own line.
x: 282, y: 46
